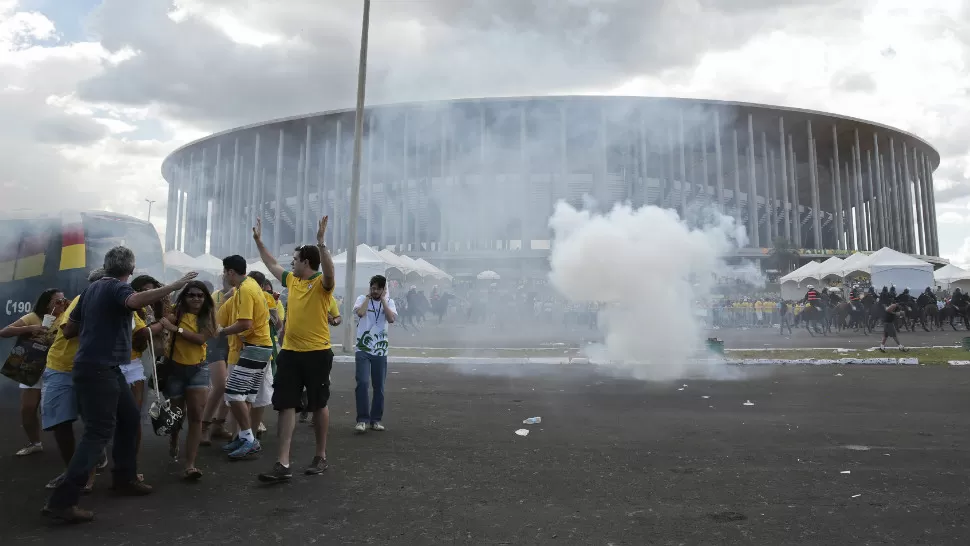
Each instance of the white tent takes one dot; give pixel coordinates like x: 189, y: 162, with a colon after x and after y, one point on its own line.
x: 395, y: 261
x: 179, y: 261
x: 888, y: 267
x: 807, y: 271
x: 414, y: 265
x: 854, y: 265
x: 437, y: 272
x: 949, y: 273
x: 488, y: 275
x: 209, y: 264
x: 830, y: 268
x: 261, y: 267
x: 369, y: 263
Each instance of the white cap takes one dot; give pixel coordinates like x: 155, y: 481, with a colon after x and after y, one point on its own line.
x: 810, y: 287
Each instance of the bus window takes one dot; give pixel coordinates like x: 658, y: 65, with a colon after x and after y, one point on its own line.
x: 104, y: 232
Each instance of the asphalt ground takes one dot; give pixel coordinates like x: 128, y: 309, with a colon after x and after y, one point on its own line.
x: 614, y: 461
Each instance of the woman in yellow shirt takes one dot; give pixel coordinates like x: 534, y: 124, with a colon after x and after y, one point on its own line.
x: 50, y: 302
x: 192, y: 322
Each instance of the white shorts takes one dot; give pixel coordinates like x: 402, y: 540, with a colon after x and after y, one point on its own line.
x: 257, y: 384
x: 37, y: 386
x: 134, y: 371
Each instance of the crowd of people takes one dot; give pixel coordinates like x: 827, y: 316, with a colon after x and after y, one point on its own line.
x: 216, y: 359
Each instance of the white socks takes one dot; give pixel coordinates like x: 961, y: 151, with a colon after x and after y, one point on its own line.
x: 247, y: 435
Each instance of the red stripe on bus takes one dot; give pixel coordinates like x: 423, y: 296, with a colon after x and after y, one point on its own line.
x: 73, y: 234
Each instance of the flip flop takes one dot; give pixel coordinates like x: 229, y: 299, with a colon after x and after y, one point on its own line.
x: 191, y: 474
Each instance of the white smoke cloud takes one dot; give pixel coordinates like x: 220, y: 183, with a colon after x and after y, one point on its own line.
x: 648, y: 267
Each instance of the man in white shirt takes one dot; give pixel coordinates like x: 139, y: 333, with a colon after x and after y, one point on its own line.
x: 374, y: 312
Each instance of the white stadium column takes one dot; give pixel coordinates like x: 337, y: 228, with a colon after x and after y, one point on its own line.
x: 928, y: 167
x: 170, y: 209
x: 877, y: 241
x: 278, y: 196
x: 769, y: 204
x: 920, y: 210
x: 838, y: 207
x: 813, y: 178
x: 304, y: 197
x: 402, y: 238
x: 796, y: 202
x: 684, y: 186
x: 718, y: 160
x: 884, y: 226
x: 786, y: 204
x: 752, y: 188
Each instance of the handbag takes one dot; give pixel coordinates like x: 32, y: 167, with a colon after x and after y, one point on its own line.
x: 27, y: 360
x: 165, y: 417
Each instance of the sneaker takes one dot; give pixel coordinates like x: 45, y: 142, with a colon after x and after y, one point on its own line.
x: 246, y: 449
x: 317, y: 467
x: 56, y: 482
x: 71, y: 514
x: 133, y: 488
x: 260, y: 430
x: 103, y: 463
x: 30, y: 449
x: 377, y: 426
x: 279, y: 474
x: 233, y: 445
x: 361, y: 427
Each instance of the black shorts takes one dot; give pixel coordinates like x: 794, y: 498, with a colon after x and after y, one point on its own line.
x: 296, y: 371
x: 889, y: 329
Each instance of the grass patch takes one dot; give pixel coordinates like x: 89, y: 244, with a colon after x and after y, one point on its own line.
x: 927, y: 356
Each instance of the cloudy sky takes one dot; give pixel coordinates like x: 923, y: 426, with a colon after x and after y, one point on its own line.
x: 95, y: 93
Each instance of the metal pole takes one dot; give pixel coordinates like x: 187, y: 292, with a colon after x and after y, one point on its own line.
x: 752, y: 188
x: 150, y: 201
x: 349, y: 333
x: 277, y: 231
x: 839, y: 209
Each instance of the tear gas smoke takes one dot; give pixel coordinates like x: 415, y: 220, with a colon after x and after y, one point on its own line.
x: 647, y: 268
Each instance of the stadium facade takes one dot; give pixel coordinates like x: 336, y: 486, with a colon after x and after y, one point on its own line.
x: 470, y: 184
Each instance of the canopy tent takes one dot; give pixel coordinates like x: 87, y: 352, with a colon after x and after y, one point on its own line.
x: 176, y: 259
x: 209, y: 264
x: 261, y: 267
x: 854, y: 265
x: 830, y: 268
x: 488, y: 275
x: 807, y: 271
x: 888, y: 267
x: 434, y: 270
x: 395, y: 261
x: 369, y: 263
x: 949, y: 273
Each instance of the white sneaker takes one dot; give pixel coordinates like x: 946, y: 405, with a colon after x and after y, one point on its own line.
x: 377, y: 426
x: 30, y: 449
x: 361, y: 427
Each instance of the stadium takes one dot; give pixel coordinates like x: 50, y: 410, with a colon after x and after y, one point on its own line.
x: 470, y: 184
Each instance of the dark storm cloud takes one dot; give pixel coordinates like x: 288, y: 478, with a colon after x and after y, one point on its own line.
x: 420, y: 50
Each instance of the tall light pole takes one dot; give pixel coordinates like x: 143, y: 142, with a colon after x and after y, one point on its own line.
x: 349, y: 294
x: 150, y: 202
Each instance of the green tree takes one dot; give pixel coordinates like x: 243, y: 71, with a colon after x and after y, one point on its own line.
x: 783, y: 255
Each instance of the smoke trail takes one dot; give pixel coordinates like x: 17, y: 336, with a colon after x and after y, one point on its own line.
x: 648, y: 267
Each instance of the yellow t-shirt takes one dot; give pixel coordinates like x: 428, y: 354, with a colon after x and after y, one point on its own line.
x: 139, y: 324
x: 250, y: 304
x: 307, y: 328
x: 60, y: 358
x: 218, y: 298
x: 226, y: 318
x: 184, y: 351
x: 334, y: 310
x: 281, y: 311
x: 31, y: 319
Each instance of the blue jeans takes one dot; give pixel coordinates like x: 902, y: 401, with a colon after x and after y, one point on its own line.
x: 108, y: 410
x: 371, y: 369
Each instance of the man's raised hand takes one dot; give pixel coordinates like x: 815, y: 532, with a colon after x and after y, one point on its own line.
x: 258, y: 230
x: 322, y: 230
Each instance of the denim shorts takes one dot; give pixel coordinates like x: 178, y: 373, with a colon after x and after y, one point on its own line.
x: 58, y: 401
x: 217, y: 350
x: 184, y: 378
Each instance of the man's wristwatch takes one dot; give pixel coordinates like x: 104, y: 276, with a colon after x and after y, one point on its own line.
x: 181, y: 330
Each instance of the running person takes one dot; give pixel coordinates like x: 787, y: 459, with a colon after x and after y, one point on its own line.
x: 306, y: 359
x: 889, y: 327
x: 251, y: 324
